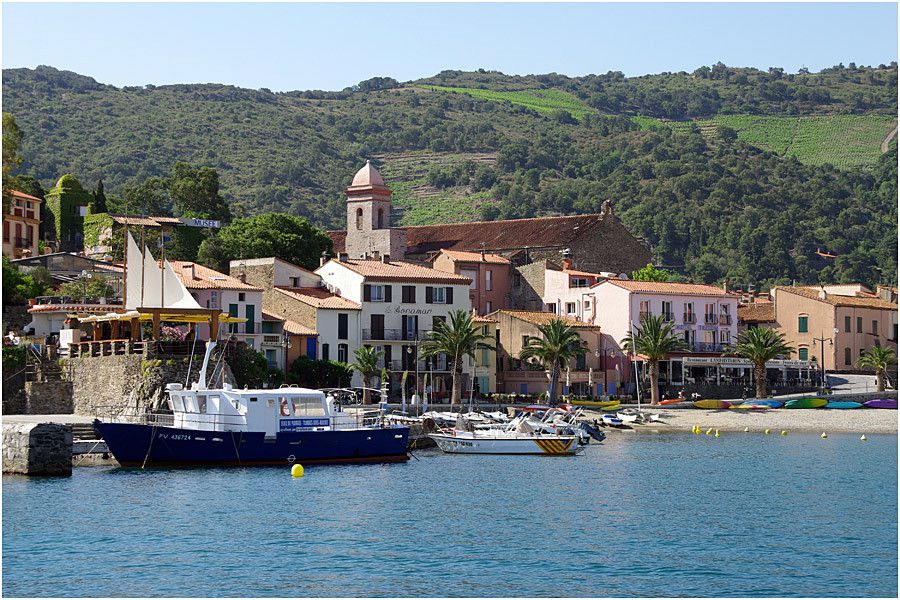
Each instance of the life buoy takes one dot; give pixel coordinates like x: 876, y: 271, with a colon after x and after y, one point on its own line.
x: 285, y: 409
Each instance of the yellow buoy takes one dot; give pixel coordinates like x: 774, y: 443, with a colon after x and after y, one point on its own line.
x: 717, y: 433
x: 709, y: 431
x: 767, y: 432
x: 297, y: 471
x: 824, y: 435
x: 783, y: 432
x: 863, y: 437
x: 746, y: 429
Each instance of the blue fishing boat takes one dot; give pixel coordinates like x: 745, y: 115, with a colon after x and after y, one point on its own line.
x: 226, y: 426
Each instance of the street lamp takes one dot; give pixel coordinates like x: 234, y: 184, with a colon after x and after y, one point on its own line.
x: 85, y: 275
x: 409, y: 350
x: 821, y: 341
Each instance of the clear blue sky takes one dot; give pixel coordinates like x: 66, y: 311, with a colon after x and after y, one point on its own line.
x: 331, y: 46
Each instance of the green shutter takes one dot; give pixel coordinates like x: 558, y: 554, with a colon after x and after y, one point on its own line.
x: 803, y: 324
x: 804, y: 353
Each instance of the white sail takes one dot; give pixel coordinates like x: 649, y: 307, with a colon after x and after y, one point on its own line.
x: 147, y: 282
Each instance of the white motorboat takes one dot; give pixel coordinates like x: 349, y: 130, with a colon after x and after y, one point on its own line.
x: 518, y: 437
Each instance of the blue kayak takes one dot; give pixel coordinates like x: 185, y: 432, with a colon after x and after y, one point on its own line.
x: 769, y: 403
x: 843, y: 405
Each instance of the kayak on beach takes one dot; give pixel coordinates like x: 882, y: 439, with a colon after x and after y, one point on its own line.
x: 712, y: 404
x: 806, y: 403
x: 846, y: 404
x: 768, y: 403
x: 881, y: 403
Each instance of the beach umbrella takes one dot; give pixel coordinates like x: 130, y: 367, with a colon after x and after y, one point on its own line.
x: 591, y: 377
x: 568, y: 381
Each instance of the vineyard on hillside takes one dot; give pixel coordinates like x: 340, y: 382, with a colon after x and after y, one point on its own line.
x: 544, y: 101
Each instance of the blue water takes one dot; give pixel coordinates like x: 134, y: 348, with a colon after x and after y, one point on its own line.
x: 640, y: 515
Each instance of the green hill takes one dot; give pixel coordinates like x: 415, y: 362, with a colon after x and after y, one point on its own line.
x: 801, y: 175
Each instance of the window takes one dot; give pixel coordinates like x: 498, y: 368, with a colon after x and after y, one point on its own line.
x: 688, y: 315
x: 343, y: 353
x: 325, y: 353
x: 570, y: 308
x: 359, y: 217
x: 874, y: 327
x: 438, y: 295
x: 268, y: 327
x: 895, y: 332
x: 380, y: 218
x: 587, y: 305
x: 473, y: 275
x: 859, y: 325
x: 803, y: 353
x: 295, y: 282
x: 271, y: 359
x: 579, y: 282
x: 848, y: 357
x: 485, y: 357
x: 551, y: 307
x: 488, y: 306
x: 408, y: 294
x: 847, y: 325
x: 250, y: 313
x: 710, y: 314
x: 376, y: 293
x: 525, y: 339
x: 343, y: 320
x: 644, y: 308
x: 861, y: 350
x: 5, y: 231
x: 803, y: 323
x: 242, y: 297
x: 580, y: 363
x: 489, y: 280
x: 232, y: 312
x: 667, y: 310
x: 725, y: 336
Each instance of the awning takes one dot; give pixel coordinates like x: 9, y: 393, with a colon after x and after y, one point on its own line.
x: 172, y: 317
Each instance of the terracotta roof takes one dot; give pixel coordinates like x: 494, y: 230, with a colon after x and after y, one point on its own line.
x: 76, y: 308
x: 298, y: 329
x: 491, y: 235
x: 837, y: 300
x: 542, y: 318
x: 24, y: 196
x: 756, y: 312
x: 461, y: 256
x: 319, y: 298
x: 207, y: 279
x: 480, y: 319
x: 376, y: 270
x: 583, y: 273
x: 666, y: 287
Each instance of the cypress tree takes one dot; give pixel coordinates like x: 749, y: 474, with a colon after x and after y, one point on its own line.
x: 99, y: 198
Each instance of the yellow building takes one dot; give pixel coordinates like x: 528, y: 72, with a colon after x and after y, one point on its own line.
x: 21, y: 223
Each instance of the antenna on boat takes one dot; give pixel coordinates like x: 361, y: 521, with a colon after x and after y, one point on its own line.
x: 201, y: 377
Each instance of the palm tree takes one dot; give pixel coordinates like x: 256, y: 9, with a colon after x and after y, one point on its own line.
x: 760, y: 345
x: 457, y: 339
x: 558, y: 344
x: 367, y: 358
x: 879, y: 358
x: 655, y: 338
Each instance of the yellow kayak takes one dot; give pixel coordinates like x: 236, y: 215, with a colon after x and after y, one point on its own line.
x: 597, y: 403
x: 712, y: 404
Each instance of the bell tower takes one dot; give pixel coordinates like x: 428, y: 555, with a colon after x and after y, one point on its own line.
x: 369, y: 218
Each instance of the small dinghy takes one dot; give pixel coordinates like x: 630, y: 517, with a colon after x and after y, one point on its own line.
x: 844, y: 405
x: 516, y: 438
x: 806, y: 403
x: 611, y: 420
x: 890, y: 403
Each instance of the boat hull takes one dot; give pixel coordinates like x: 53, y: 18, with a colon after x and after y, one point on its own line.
x: 806, y: 403
x: 547, y: 445
x: 889, y: 403
x: 138, y: 445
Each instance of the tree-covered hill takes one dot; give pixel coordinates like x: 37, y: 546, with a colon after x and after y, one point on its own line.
x: 709, y: 198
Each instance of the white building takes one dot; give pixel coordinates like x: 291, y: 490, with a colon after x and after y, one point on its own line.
x: 705, y: 317
x: 399, y: 303
x: 569, y: 292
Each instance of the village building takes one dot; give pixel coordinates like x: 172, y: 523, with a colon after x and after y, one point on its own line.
x: 597, y: 242
x: 590, y: 374
x: 66, y: 205
x: 834, y: 324
x: 485, y: 366
x: 66, y: 267
x: 755, y: 312
x: 489, y: 273
x: 21, y: 224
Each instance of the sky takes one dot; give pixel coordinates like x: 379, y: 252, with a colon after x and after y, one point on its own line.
x: 332, y: 46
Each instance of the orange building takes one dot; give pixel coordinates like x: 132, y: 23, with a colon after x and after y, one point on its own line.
x: 21, y: 223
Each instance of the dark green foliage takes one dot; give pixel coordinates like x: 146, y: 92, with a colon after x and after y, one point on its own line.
x: 251, y: 369
x: 99, y: 205
x: 18, y: 287
x: 93, y: 287
x: 12, y: 139
x: 651, y: 273
x: 195, y: 193
x: 289, y: 238
x: 13, y: 359
x: 319, y: 373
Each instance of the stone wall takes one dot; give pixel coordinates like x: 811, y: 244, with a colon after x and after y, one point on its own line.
x: 48, y: 397
x: 14, y: 393
x: 37, y: 449
x: 528, y: 295
x: 131, y: 384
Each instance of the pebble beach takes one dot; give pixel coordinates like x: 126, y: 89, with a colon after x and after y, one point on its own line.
x: 859, y: 420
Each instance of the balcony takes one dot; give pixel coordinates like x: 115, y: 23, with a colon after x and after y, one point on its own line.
x: 23, y: 242
x: 667, y: 317
x: 61, y: 300
x: 689, y: 318
x: 271, y: 340
x: 398, y: 366
x: 246, y: 328
x: 711, y: 319
x: 390, y: 335
x: 724, y: 319
x: 707, y: 347
x: 643, y: 315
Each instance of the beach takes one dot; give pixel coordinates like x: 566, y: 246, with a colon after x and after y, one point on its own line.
x: 861, y: 420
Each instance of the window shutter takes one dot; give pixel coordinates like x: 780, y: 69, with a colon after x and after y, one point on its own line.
x: 387, y: 293
x: 449, y: 297
x: 367, y: 292
x: 429, y: 295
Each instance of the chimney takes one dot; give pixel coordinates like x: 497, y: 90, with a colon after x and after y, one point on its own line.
x: 823, y: 295
x: 189, y: 267
x: 386, y: 259
x: 343, y: 257
x: 567, y: 264
x: 324, y: 258
x: 243, y: 277
x: 482, y: 255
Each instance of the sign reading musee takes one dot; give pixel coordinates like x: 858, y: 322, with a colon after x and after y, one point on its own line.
x: 191, y: 222
x: 302, y: 424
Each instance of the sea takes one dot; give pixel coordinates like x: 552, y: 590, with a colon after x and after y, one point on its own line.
x: 745, y: 514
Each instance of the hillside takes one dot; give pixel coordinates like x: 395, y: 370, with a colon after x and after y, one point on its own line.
x: 708, y: 200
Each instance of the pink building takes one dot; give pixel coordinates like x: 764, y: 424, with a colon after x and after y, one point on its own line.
x: 569, y: 292
x: 489, y: 273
